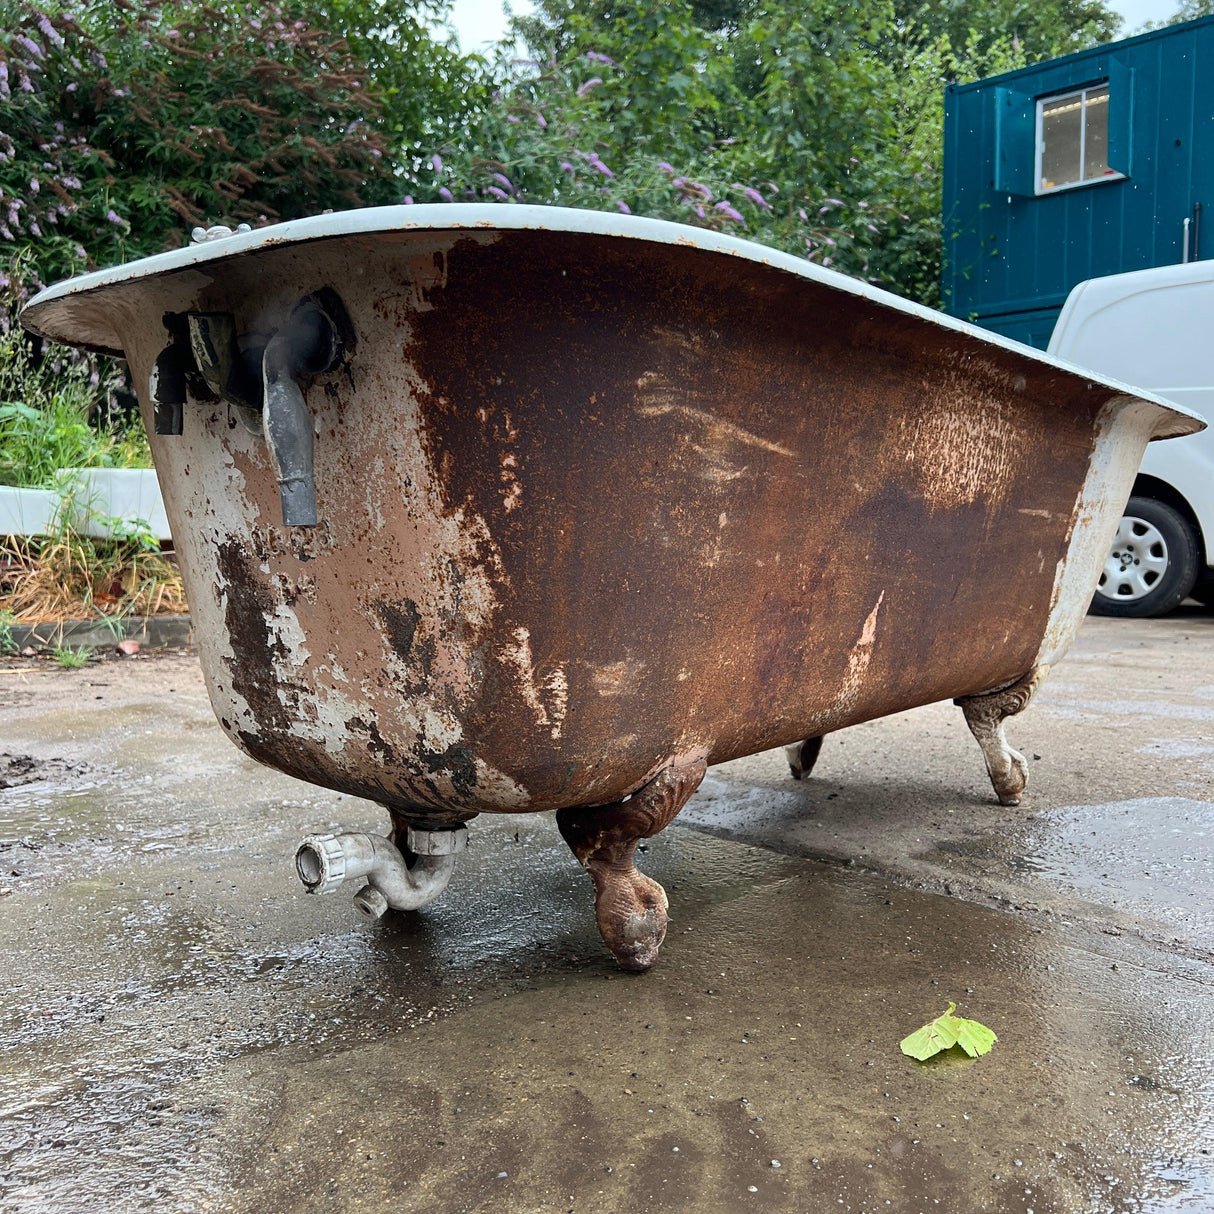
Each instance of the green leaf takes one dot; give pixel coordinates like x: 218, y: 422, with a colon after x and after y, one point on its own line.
x: 974, y: 1038
x: 945, y: 1032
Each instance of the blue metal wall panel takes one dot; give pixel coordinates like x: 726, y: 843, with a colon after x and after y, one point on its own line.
x: 1011, y: 259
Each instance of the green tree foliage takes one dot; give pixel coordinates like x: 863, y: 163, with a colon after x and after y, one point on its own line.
x: 1189, y: 10
x: 811, y: 126
x: 1039, y: 31
x: 123, y: 125
x: 639, y: 107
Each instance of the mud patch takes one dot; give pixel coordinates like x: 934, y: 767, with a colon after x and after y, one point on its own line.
x: 16, y: 770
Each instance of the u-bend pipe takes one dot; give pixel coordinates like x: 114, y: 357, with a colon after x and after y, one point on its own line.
x: 324, y: 862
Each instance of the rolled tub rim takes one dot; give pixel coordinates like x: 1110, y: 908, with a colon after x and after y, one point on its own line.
x: 73, y: 328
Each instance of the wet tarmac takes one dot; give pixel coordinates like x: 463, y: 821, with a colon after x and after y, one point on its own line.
x: 184, y: 1030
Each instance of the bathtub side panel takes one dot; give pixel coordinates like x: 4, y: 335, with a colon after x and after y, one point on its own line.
x: 588, y: 507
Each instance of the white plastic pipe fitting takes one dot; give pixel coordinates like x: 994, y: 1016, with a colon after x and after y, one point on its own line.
x: 324, y: 862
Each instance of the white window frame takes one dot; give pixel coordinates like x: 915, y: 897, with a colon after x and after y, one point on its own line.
x: 1082, y: 95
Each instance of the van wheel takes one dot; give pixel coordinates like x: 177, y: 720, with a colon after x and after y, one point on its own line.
x: 1152, y: 566
x: 1203, y: 592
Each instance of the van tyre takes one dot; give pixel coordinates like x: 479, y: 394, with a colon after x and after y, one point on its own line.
x: 1152, y: 565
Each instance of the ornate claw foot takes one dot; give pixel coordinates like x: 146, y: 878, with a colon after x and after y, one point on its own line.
x: 802, y: 756
x: 985, y: 716
x: 630, y: 907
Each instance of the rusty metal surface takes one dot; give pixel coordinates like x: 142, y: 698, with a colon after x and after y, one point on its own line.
x: 592, y: 508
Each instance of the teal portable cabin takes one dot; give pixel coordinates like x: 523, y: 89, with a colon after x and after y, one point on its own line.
x: 1074, y: 168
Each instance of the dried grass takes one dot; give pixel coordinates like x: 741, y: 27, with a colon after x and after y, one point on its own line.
x: 72, y: 576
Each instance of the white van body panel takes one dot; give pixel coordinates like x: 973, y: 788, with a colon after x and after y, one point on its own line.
x: 1155, y: 328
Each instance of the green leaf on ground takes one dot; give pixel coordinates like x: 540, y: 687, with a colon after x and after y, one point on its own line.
x: 945, y: 1032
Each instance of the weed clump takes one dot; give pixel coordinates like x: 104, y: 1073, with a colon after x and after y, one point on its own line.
x: 72, y: 575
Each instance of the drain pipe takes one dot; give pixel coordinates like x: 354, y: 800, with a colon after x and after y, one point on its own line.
x: 307, y: 345
x: 324, y: 862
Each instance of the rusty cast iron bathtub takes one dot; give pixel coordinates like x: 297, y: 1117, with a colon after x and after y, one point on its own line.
x: 501, y: 509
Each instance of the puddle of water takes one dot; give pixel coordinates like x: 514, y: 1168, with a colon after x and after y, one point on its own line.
x: 1178, y: 748
x: 1151, y: 856
x: 1180, y: 1187
x: 197, y: 1031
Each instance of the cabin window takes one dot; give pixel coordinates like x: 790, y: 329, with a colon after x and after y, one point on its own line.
x: 1073, y: 139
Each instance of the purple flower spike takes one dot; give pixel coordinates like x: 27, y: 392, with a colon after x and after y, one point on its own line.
x: 541, y: 120
x: 503, y: 181
x: 583, y: 89
x: 497, y: 193
x: 595, y: 57
x: 408, y: 200
x: 599, y: 166
x: 567, y: 167
x: 622, y: 207
x: 666, y: 167
x: 48, y: 30
x: 834, y: 202
x: 445, y: 194
x: 437, y: 161
x: 757, y: 198
x: 729, y: 212
x: 512, y: 118
x: 115, y: 219
x: 700, y: 213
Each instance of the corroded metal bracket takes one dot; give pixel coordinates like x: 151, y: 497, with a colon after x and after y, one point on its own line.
x: 985, y: 715
x: 228, y: 371
x: 630, y: 908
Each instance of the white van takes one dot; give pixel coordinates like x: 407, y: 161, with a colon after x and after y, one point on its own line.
x: 1155, y: 329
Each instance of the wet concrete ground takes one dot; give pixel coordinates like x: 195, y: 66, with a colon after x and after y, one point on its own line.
x: 184, y: 1030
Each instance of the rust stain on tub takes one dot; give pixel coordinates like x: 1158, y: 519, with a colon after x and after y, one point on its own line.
x: 538, y: 361
x: 754, y: 391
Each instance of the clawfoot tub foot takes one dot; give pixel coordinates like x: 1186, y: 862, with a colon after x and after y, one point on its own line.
x: 985, y: 716
x: 630, y: 908
x: 802, y: 756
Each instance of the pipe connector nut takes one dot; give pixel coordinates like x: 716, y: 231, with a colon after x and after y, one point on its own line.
x: 447, y: 842
x: 321, y: 863
x: 371, y: 901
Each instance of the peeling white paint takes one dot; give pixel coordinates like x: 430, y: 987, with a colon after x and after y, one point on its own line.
x: 620, y: 678
x: 548, y: 699
x: 1123, y: 429
x: 960, y: 443
x: 659, y: 397
x: 858, y: 662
